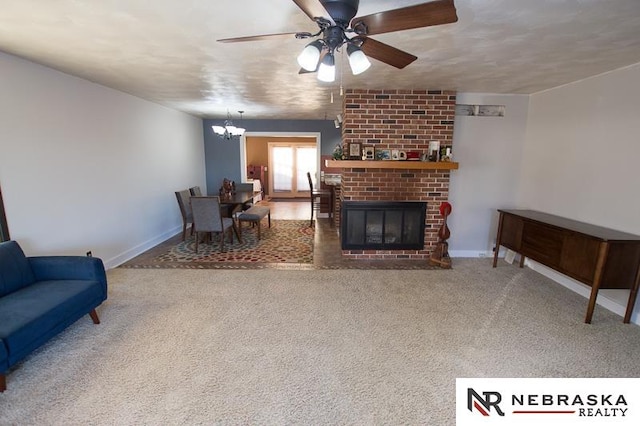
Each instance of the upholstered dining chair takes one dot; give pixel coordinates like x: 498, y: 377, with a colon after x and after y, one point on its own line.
x: 183, y: 198
x: 207, y: 217
x: 245, y: 187
x: 317, y: 195
x: 195, y: 191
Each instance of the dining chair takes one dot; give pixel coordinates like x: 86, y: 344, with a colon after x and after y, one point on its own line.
x: 316, y: 196
x: 245, y: 187
x: 183, y: 198
x: 195, y: 191
x: 207, y: 217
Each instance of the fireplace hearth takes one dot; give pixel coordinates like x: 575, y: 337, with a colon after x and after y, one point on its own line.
x: 383, y: 225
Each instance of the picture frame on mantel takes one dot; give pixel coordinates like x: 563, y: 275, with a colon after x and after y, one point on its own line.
x: 383, y: 154
x: 368, y: 153
x: 355, y: 152
x: 4, y: 229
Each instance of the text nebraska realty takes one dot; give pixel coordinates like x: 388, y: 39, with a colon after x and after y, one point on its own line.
x: 590, y: 405
x: 587, y: 405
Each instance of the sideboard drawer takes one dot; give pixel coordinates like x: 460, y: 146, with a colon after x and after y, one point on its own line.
x: 542, y: 243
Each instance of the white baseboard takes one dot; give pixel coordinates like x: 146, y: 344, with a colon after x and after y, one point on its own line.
x: 118, y: 260
x: 613, y: 300
x: 475, y: 253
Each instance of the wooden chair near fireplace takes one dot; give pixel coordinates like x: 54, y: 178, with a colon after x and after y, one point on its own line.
x: 317, y: 196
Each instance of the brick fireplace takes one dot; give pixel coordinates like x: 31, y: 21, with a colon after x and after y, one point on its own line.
x: 404, y: 120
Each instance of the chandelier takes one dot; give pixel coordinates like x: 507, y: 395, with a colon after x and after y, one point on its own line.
x: 228, y: 131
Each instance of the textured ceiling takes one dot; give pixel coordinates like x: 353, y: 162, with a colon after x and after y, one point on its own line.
x: 166, y: 50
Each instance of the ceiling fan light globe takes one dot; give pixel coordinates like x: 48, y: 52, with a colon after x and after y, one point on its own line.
x: 358, y: 61
x: 327, y: 73
x: 327, y: 69
x: 308, y: 58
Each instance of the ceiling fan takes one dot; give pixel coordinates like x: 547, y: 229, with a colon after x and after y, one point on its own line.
x: 338, y: 27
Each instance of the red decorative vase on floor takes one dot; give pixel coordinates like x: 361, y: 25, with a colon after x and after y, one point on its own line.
x: 440, y: 255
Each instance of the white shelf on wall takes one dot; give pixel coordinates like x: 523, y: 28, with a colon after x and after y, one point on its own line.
x: 480, y: 110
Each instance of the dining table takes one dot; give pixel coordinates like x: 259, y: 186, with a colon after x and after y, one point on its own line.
x: 230, y: 203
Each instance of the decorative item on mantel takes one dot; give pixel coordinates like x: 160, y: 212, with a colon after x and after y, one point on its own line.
x: 440, y: 255
x: 434, y: 151
x: 445, y: 154
x: 338, y: 152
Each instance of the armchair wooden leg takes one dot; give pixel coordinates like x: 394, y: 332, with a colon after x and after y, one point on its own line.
x: 94, y: 316
x: 3, y: 382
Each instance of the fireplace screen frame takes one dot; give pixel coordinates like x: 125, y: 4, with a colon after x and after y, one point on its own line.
x: 372, y: 208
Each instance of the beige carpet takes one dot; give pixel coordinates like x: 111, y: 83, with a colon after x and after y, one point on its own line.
x: 310, y: 347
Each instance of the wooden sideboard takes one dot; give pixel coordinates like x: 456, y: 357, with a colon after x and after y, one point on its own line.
x: 600, y: 257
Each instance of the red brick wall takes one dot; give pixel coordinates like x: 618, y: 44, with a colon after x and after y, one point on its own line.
x: 404, y: 120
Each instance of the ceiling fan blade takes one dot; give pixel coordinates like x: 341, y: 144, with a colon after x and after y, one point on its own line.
x: 257, y: 37
x: 385, y: 53
x: 421, y: 15
x: 314, y: 9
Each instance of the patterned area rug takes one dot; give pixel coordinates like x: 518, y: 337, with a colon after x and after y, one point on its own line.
x: 287, y: 241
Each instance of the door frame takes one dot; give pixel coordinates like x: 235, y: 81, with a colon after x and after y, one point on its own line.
x: 243, y: 147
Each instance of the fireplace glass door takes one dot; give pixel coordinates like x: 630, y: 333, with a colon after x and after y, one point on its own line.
x: 383, y: 225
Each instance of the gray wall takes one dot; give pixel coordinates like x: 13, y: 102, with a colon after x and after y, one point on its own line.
x: 489, y: 150
x: 222, y: 157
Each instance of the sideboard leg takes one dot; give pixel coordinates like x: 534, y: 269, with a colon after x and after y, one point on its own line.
x: 496, y: 250
x: 632, y: 298
x: 597, y: 279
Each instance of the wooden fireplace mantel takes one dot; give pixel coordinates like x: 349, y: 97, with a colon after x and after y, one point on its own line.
x: 391, y: 164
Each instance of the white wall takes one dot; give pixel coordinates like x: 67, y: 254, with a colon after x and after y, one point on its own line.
x: 489, y: 150
x: 582, y: 151
x: 84, y: 167
x: 581, y: 158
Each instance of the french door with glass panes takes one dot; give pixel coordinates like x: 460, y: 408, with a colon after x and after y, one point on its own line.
x: 288, y: 167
